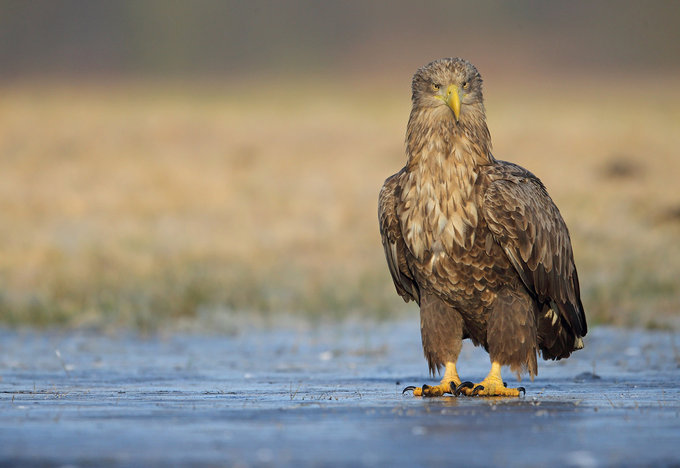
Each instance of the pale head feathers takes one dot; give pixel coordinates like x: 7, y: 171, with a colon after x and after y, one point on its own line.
x: 432, y: 124
x: 444, y: 72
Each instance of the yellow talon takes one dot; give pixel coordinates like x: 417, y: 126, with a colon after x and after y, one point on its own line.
x: 447, y: 385
x: 492, y: 385
x: 432, y: 391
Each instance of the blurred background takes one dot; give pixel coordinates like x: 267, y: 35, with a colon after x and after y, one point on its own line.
x: 187, y: 164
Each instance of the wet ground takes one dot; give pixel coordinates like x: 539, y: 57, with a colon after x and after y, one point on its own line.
x: 323, y: 396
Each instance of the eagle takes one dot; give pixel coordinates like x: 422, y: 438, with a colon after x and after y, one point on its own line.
x: 476, y: 242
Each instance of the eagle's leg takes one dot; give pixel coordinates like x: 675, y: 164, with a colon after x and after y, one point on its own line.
x: 441, y: 328
x: 448, y: 384
x: 492, y: 385
x: 511, y: 338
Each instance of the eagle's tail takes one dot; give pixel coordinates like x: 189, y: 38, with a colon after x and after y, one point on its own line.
x: 556, y: 339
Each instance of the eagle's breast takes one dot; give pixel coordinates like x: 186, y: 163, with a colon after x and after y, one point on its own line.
x: 438, y: 210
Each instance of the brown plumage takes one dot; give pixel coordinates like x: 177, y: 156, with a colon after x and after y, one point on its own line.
x: 478, y: 243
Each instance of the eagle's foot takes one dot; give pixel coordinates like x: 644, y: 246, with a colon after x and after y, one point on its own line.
x: 492, y: 385
x: 489, y: 387
x: 432, y: 391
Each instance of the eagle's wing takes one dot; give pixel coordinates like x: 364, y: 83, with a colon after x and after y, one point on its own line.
x: 528, y: 226
x: 393, y: 242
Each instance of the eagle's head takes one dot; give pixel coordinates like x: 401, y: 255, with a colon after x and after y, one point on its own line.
x: 451, y: 88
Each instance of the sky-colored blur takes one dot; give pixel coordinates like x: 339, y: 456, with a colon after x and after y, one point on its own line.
x: 237, y: 39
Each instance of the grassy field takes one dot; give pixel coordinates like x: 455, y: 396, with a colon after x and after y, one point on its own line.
x: 145, y: 204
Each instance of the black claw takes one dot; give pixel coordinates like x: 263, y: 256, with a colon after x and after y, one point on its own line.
x: 477, y: 389
x: 425, y: 387
x: 410, y: 388
x: 522, y: 390
x: 505, y: 384
x: 462, y: 386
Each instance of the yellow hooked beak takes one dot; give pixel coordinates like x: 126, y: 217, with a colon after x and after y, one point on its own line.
x: 452, y: 99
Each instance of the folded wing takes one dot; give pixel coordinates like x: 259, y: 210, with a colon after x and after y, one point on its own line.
x: 528, y: 226
x: 393, y: 242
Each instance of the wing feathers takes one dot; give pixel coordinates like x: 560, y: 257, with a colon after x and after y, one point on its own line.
x: 527, y: 224
x: 393, y: 242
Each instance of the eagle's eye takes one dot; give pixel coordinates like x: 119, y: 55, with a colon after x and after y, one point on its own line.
x: 435, y: 87
x: 466, y: 85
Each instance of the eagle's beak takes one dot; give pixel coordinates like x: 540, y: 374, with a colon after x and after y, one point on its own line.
x: 452, y: 99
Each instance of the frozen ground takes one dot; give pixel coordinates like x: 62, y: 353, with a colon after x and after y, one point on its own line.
x: 301, y: 396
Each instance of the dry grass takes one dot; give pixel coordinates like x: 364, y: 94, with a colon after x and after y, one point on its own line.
x: 137, y: 204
